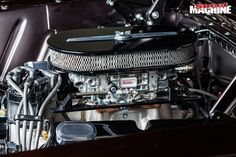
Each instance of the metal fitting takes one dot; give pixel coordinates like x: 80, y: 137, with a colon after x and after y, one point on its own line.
x: 155, y: 15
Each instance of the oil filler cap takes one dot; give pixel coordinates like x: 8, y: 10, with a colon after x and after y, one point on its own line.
x: 72, y: 131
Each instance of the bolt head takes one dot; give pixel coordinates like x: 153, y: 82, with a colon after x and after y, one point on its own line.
x: 4, y: 7
x: 155, y: 15
x: 227, y: 33
x: 58, y: 1
x: 149, y: 23
x: 110, y: 2
x: 139, y: 17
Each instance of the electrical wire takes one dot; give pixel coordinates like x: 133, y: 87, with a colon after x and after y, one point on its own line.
x: 18, y: 124
x: 203, y: 92
x: 14, y: 86
x: 31, y: 127
x: 3, y: 98
x: 25, y: 104
x: 46, y: 101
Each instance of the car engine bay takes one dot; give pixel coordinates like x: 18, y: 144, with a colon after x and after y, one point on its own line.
x: 153, y: 62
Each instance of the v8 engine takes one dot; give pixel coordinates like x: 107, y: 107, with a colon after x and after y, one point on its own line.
x: 107, y: 74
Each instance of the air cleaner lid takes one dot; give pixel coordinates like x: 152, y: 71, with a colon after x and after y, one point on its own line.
x: 120, y: 40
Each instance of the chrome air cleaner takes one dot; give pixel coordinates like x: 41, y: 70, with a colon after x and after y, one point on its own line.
x: 109, y: 49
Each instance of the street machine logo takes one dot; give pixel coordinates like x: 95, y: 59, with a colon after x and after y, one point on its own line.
x: 221, y: 8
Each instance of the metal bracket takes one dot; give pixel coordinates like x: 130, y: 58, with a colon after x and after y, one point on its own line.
x: 122, y: 36
x: 156, y: 12
x: 125, y: 112
x: 149, y: 14
x: 28, y: 118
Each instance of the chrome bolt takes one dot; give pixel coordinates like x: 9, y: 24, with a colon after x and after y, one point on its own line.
x: 211, y: 24
x: 4, y: 7
x: 227, y: 33
x: 139, y: 17
x: 110, y: 2
x: 192, y: 28
x: 149, y: 23
x: 155, y: 15
x: 58, y: 1
x: 127, y: 25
